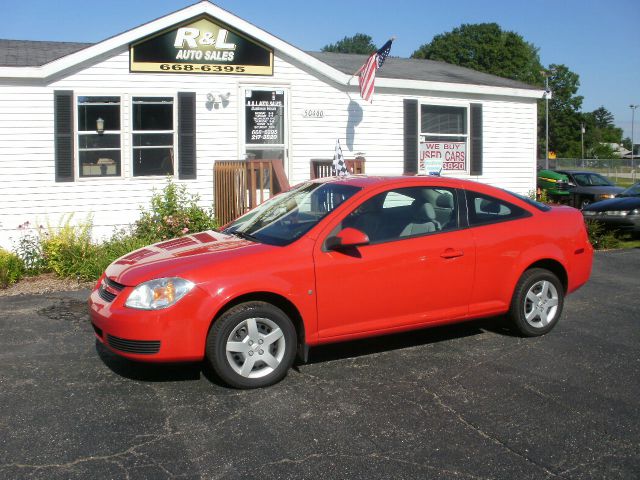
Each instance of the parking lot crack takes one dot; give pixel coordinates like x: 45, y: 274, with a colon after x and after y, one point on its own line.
x: 447, y: 408
x: 389, y: 456
x: 112, y: 458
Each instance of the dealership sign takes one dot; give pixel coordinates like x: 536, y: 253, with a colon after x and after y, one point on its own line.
x: 201, y: 46
x: 436, y: 156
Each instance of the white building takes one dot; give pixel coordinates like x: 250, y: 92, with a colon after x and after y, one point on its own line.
x: 93, y: 129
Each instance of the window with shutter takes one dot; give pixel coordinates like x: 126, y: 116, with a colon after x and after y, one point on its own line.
x: 410, y: 136
x: 187, y: 135
x: 476, y: 139
x: 63, y: 135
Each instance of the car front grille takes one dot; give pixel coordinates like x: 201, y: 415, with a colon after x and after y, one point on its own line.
x: 109, y: 289
x: 141, y: 347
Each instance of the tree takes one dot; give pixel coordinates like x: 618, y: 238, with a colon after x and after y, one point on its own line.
x: 600, y: 133
x: 359, y: 43
x: 487, y: 48
x: 564, y: 113
x: 603, y: 118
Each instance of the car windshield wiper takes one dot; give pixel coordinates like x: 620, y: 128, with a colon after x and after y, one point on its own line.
x: 243, y: 235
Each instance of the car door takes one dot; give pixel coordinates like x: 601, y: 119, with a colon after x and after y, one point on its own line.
x: 415, y: 270
x: 501, y: 232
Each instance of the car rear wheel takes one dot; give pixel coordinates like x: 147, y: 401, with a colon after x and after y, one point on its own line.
x: 537, y: 302
x: 252, y: 345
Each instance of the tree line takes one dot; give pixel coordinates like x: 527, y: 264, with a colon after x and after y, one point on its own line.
x: 485, y: 47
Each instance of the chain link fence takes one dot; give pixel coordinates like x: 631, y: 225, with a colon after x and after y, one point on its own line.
x: 620, y: 170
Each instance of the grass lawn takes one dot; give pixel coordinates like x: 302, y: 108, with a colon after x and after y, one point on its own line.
x: 628, y: 241
x: 624, y: 182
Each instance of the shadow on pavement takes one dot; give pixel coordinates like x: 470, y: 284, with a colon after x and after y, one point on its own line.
x: 159, y: 372
x: 148, y: 372
x: 398, y: 341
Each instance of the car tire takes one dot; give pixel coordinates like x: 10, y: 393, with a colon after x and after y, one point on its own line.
x: 537, y: 302
x: 252, y: 345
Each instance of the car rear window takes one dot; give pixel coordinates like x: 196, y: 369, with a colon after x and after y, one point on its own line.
x: 539, y: 205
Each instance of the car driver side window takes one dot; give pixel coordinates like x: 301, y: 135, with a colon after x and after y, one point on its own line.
x: 405, y: 212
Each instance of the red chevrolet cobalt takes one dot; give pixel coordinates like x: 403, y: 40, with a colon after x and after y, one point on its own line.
x: 339, y: 259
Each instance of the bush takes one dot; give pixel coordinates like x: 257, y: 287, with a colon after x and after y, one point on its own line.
x: 29, y: 249
x: 68, y: 250
x: 173, y: 213
x: 600, y: 237
x: 11, y: 268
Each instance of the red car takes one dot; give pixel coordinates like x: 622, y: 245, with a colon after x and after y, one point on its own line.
x: 339, y: 259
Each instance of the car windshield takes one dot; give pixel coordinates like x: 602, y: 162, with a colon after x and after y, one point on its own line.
x: 286, y: 217
x: 632, y: 191
x: 591, y: 180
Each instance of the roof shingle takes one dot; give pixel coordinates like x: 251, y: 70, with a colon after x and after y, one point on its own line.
x: 28, y: 53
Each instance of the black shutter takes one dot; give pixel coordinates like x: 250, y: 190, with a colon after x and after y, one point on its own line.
x: 187, y: 135
x: 410, y: 136
x: 476, y: 139
x: 63, y: 134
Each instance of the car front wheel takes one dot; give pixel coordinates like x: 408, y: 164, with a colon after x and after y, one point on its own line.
x: 584, y: 202
x: 252, y: 345
x: 537, y: 302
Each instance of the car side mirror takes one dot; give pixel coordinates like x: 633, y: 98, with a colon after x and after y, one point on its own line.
x: 347, y: 238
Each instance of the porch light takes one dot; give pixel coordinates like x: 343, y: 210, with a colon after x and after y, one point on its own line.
x: 100, y: 125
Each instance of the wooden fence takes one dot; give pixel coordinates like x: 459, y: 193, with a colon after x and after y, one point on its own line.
x: 240, y: 185
x: 324, y: 168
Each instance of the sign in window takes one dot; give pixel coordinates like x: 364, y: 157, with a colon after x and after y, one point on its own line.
x: 443, y: 138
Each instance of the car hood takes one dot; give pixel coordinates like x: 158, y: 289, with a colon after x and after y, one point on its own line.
x: 619, y: 203
x: 179, y: 257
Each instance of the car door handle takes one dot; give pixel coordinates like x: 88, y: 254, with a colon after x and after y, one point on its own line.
x: 451, y: 253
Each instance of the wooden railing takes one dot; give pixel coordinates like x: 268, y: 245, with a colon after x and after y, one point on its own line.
x: 324, y: 168
x: 240, y: 185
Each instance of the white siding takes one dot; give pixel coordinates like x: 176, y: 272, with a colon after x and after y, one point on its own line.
x: 28, y: 191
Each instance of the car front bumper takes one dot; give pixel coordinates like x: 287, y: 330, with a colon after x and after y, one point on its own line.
x: 628, y: 223
x: 174, y: 334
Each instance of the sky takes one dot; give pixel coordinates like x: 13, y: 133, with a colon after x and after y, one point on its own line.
x: 599, y: 40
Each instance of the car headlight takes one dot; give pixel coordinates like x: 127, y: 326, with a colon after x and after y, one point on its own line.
x: 635, y: 211
x: 616, y: 213
x: 159, y: 293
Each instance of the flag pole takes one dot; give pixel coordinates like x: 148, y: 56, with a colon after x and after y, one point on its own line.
x: 392, y: 39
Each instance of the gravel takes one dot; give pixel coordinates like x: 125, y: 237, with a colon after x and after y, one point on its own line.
x: 45, y: 283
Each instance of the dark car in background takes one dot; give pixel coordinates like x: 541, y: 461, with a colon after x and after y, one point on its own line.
x: 621, y: 212
x: 588, y: 187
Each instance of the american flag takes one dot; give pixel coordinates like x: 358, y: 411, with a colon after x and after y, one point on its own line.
x: 339, y: 165
x: 367, y: 73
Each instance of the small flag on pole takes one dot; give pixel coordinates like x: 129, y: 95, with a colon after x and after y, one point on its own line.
x: 339, y: 165
x: 367, y: 73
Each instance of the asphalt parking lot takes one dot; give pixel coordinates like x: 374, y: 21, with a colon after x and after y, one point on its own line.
x: 467, y: 401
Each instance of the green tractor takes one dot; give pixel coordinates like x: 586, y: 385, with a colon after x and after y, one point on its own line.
x: 556, y: 185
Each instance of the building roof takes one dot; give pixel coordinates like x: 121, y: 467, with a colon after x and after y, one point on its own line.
x: 41, y: 61
x: 418, y: 69
x: 28, y: 53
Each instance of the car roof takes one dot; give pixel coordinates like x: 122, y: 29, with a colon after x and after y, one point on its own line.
x: 365, y: 181
x: 371, y: 182
x: 579, y: 171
